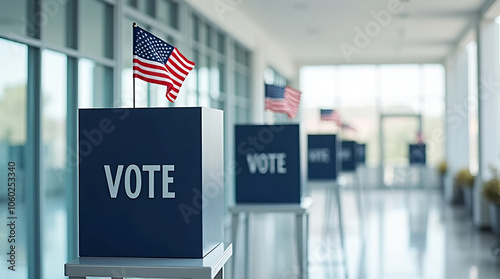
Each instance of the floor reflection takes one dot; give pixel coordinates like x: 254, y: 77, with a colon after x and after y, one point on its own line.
x: 408, y: 234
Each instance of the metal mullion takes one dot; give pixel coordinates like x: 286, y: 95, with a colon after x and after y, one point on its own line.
x: 20, y: 39
x: 72, y: 157
x: 117, y: 86
x: 185, y: 27
x: 103, y: 61
x: 34, y: 190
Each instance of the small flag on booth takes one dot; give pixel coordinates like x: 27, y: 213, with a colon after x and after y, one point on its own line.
x: 282, y: 99
x: 158, y: 62
x: 330, y: 115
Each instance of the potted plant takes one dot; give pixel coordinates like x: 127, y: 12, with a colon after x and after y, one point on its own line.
x: 465, y: 180
x: 491, y: 191
x: 442, y: 168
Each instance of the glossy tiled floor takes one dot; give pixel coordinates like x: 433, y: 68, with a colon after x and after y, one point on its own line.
x: 408, y: 234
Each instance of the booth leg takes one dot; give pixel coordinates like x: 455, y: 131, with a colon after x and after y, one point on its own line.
x: 234, y: 235
x: 220, y: 274
x: 300, y: 243
x: 246, y: 260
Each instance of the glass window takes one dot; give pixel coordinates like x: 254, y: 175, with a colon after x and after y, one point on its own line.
x: 221, y: 71
x: 204, y: 82
x: 16, y: 18
x: 208, y: 35
x: 221, y: 43
x: 241, y: 55
x: 196, y: 28
x: 400, y: 87
x: 133, y: 3
x: 94, y: 85
x: 241, y: 84
x: 53, y: 166
x: 318, y: 84
x: 55, y: 31
x: 237, y: 53
x: 353, y: 93
x: 214, y: 81
x: 145, y: 6
x: 12, y: 149
x: 167, y: 12
x: 242, y: 114
x: 95, y: 28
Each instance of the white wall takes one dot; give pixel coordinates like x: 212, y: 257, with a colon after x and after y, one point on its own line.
x: 457, y: 118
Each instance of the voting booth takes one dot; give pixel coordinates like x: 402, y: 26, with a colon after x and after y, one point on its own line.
x: 151, y: 182
x: 348, y: 156
x: 268, y: 164
x: 417, y: 154
x: 322, y: 157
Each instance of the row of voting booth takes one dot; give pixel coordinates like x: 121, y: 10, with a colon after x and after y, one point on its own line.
x: 151, y: 188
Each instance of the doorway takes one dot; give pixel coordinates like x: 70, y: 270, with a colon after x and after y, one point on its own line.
x: 397, y: 131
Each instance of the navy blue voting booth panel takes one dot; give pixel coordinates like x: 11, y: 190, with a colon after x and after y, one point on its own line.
x: 360, y: 153
x: 348, y: 155
x: 417, y: 154
x: 268, y: 164
x: 322, y: 157
x: 150, y: 182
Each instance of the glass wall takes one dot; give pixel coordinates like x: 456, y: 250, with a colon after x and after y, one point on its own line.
x: 58, y: 56
x: 361, y: 93
x: 13, y: 140
x: 53, y: 164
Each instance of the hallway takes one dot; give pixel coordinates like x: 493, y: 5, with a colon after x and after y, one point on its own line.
x: 409, y: 234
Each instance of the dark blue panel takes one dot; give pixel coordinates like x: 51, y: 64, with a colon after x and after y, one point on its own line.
x: 322, y: 157
x: 360, y: 153
x: 417, y: 154
x: 348, y: 156
x: 143, y: 226
x: 268, y: 164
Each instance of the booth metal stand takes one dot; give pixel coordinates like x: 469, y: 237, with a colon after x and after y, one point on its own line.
x: 334, y: 193
x: 209, y: 267
x: 301, y: 222
x: 359, y: 200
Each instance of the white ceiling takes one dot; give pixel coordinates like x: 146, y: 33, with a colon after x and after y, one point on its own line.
x: 313, y: 30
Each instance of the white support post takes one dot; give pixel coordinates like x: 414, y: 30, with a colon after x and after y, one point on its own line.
x: 488, y: 113
x: 457, y: 119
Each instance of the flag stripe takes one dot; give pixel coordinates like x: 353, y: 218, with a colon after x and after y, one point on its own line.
x: 282, y: 99
x: 156, y: 61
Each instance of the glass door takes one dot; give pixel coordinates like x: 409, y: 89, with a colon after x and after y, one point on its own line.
x: 397, y: 131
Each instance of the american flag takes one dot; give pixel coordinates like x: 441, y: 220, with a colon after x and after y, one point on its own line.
x: 282, y: 99
x: 330, y: 115
x: 158, y: 62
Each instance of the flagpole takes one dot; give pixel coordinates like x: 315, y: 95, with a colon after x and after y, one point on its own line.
x: 133, y: 78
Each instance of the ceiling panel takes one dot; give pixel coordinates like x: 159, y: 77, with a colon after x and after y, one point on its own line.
x: 418, y: 30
